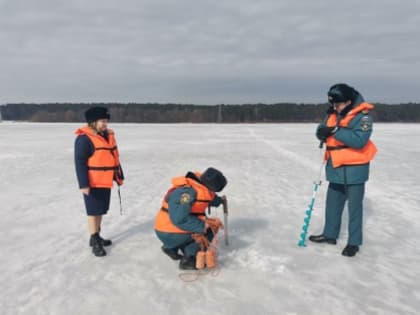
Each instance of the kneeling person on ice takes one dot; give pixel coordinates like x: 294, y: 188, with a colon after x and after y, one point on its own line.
x: 182, y: 216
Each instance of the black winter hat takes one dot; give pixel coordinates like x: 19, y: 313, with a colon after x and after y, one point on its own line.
x: 341, y: 92
x: 96, y: 113
x: 213, y: 179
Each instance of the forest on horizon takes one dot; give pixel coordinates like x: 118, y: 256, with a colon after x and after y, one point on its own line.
x: 179, y: 113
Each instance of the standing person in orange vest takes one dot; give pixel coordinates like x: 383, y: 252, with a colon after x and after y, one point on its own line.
x: 183, y: 213
x: 346, y: 132
x: 97, y: 167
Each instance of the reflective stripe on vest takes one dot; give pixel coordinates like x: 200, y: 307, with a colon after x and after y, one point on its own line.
x: 342, y: 154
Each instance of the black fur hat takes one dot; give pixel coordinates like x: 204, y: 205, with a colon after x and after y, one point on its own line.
x: 213, y: 179
x: 96, y: 113
x: 341, y: 92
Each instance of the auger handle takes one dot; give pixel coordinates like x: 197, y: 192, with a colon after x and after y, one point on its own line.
x: 225, y: 220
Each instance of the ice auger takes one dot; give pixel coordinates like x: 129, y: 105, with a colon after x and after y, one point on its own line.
x: 308, y: 212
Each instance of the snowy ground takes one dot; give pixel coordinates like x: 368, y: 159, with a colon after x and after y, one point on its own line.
x: 46, y: 266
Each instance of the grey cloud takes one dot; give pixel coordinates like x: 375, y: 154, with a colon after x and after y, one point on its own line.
x: 207, y: 51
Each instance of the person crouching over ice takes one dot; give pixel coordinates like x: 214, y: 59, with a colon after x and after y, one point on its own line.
x: 182, y: 216
x: 97, y: 167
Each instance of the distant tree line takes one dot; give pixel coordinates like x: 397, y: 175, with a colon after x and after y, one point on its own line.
x: 177, y: 113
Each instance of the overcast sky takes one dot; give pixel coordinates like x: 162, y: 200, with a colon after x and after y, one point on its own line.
x: 207, y: 52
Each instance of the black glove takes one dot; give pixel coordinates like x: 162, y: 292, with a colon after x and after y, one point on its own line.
x: 330, y: 110
x: 119, y: 175
x: 325, y: 132
x: 217, y: 201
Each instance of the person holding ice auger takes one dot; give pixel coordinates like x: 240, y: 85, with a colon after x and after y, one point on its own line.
x: 97, y: 167
x: 346, y: 132
x: 181, y: 223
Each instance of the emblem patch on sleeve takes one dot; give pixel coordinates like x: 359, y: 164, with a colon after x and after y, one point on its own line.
x: 185, y: 198
x: 365, y: 123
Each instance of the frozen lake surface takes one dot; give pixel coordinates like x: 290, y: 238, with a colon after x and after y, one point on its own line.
x: 47, y: 267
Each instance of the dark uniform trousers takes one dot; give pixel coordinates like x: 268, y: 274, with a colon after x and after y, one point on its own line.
x: 337, y: 195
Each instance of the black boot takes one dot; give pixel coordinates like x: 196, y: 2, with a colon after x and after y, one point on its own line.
x: 172, y: 252
x: 322, y: 239
x: 103, y: 241
x: 187, y: 263
x: 350, y: 250
x: 97, y: 247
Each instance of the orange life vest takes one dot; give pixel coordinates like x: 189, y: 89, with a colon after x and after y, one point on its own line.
x: 204, y: 196
x: 104, y: 162
x: 340, y: 153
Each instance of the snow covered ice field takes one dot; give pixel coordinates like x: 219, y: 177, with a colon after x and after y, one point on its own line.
x: 46, y: 266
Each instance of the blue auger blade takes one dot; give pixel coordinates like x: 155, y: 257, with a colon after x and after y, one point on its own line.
x: 302, y: 243
x: 307, y: 219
